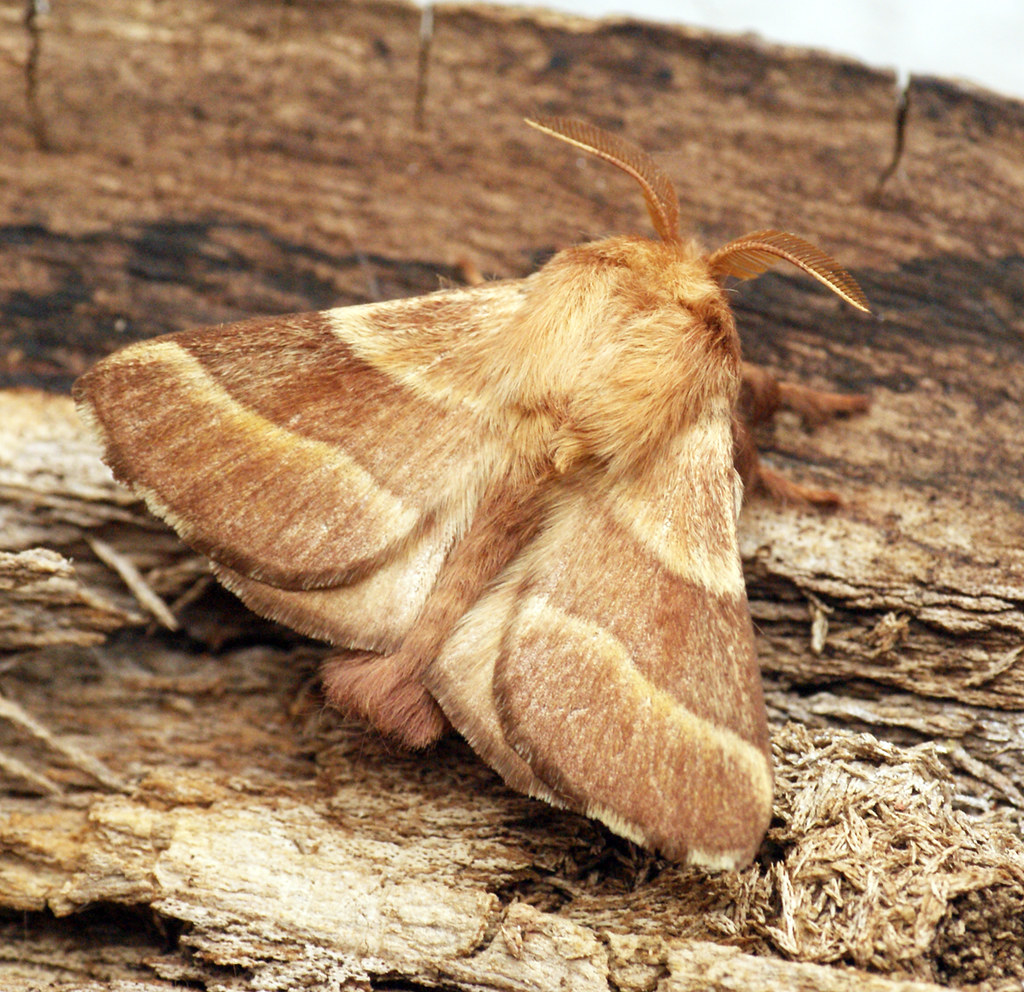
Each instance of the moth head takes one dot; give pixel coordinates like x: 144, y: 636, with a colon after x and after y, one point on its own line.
x: 742, y: 258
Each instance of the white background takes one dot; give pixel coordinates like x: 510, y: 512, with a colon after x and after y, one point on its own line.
x: 981, y: 41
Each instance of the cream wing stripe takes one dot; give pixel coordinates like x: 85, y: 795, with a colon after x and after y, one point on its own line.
x: 544, y: 617
x: 478, y: 310
x: 700, y: 546
x: 461, y: 679
x: 348, y: 477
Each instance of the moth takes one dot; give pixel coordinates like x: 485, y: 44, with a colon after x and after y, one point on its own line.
x: 513, y: 506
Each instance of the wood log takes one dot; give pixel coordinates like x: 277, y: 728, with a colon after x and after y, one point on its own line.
x: 177, y: 806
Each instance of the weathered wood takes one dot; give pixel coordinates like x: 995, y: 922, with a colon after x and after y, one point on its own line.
x: 218, y: 162
x: 384, y: 875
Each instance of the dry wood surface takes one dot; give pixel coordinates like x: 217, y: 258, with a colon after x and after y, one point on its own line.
x: 176, y: 807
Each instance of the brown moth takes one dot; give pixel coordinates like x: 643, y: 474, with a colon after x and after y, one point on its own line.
x: 513, y: 505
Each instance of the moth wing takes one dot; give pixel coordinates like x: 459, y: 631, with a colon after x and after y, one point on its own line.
x: 309, y: 451
x: 373, y: 612
x: 619, y: 654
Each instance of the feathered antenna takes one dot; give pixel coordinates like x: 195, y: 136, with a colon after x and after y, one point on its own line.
x: 750, y: 255
x: 659, y: 193
x: 744, y: 257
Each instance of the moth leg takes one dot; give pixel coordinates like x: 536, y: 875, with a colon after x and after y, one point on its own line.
x: 387, y: 690
x: 762, y: 395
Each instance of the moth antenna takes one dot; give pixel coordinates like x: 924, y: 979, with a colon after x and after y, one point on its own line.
x: 750, y: 255
x: 659, y: 193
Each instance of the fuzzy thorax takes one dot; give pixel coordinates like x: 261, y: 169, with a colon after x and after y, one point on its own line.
x: 618, y: 347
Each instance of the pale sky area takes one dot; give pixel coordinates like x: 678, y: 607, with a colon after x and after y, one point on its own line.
x: 981, y: 40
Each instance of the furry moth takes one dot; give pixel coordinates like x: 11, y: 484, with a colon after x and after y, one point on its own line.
x: 512, y: 505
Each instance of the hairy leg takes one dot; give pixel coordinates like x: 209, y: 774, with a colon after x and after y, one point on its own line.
x: 762, y: 395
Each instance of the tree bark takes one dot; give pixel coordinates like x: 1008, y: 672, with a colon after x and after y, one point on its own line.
x: 177, y: 806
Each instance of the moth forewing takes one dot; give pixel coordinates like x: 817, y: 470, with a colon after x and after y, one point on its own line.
x: 636, y: 697
x: 273, y: 447
x: 350, y: 614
